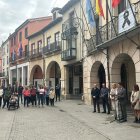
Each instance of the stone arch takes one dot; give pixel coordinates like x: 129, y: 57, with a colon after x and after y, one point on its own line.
x: 123, y: 70
x: 97, y: 74
x: 36, y: 76
x: 53, y: 74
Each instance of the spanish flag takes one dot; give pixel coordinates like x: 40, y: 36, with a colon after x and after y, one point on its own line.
x: 99, y: 9
x: 115, y: 3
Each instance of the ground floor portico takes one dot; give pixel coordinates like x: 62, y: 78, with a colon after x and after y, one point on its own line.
x: 20, y: 74
x: 117, y: 63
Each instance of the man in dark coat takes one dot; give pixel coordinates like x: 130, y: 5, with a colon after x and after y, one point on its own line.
x: 105, y: 95
x: 6, y: 97
x: 57, y: 92
x: 20, y: 89
x: 95, y: 93
x: 122, y: 98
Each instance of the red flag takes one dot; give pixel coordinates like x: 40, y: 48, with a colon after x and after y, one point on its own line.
x: 115, y: 3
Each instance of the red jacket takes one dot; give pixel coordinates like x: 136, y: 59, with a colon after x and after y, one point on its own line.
x: 26, y: 93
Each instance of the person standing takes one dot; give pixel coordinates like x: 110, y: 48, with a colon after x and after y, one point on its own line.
x: 1, y: 94
x: 26, y: 93
x: 135, y: 103
x: 95, y: 93
x: 6, y: 97
x: 33, y: 95
x: 57, y: 91
x: 47, y: 92
x: 105, y: 94
x: 122, y: 99
x: 41, y: 95
x: 114, y: 101
x: 20, y: 90
x: 52, y: 96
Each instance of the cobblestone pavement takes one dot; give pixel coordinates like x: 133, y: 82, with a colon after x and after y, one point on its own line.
x: 68, y: 120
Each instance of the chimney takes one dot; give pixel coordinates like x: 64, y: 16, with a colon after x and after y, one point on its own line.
x: 55, y: 12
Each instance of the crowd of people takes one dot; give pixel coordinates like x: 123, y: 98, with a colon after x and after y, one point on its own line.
x: 116, y: 99
x: 29, y: 95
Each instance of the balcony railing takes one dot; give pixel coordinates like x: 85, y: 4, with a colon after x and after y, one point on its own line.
x: 22, y: 56
x: 52, y: 48
x: 35, y: 53
x: 69, y: 28
x: 2, y: 74
x: 68, y: 54
x: 110, y: 30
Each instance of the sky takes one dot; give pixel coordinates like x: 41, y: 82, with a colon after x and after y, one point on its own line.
x: 14, y: 12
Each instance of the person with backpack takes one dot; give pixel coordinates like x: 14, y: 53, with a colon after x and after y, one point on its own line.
x: 33, y: 95
x: 6, y: 97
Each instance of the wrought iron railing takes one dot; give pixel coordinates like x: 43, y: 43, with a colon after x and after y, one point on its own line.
x: 69, y: 28
x: 110, y: 30
x: 68, y: 54
x: 35, y: 53
x: 53, y: 47
x: 2, y: 74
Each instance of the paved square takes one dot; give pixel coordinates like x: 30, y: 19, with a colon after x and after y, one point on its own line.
x: 68, y: 120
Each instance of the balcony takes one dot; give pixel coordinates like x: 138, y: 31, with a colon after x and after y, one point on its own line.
x: 2, y: 74
x: 110, y: 31
x: 52, y: 48
x: 68, y: 54
x: 69, y: 28
x: 22, y: 56
x: 35, y: 53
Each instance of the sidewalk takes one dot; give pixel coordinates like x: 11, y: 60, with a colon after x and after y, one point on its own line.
x: 102, y: 123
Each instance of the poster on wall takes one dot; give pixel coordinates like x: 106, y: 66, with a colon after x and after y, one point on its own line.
x: 126, y: 20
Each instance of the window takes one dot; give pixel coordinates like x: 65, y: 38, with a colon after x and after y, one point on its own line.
x: 7, y: 60
x: 71, y: 43
x: 14, y: 40
x: 7, y: 49
x: 3, y: 61
x: 26, y: 32
x: 7, y: 71
x: 49, y: 43
x: 20, y: 36
x: 57, y: 39
x: 11, y: 41
x: 33, y: 48
x: 122, y: 6
x: 26, y: 50
x: 39, y: 46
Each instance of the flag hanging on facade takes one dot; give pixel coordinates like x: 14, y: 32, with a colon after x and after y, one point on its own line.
x: 115, y: 3
x: 20, y: 50
x: 99, y: 8
x: 13, y: 55
x: 89, y: 12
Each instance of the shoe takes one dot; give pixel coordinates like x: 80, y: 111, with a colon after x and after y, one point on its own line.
x: 121, y: 121
x: 94, y: 111
x: 104, y: 112
x: 108, y: 113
